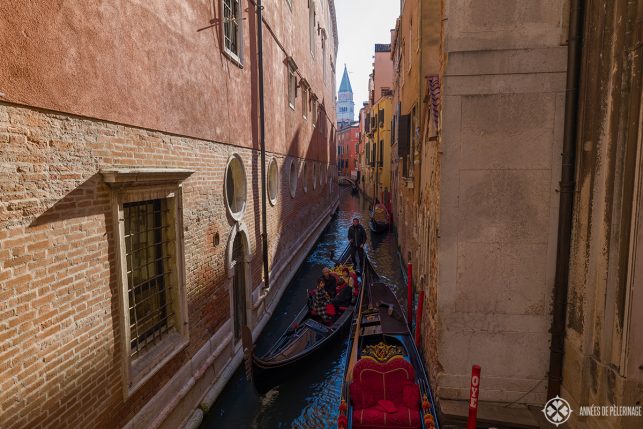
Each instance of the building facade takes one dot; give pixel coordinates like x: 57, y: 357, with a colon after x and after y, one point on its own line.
x: 479, y: 117
x: 377, y: 150
x: 130, y: 232
x: 375, y: 124
x: 602, y: 359
x: 482, y: 118
x: 347, y: 146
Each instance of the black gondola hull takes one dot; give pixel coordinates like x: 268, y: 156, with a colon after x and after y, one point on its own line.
x: 378, y: 226
x: 268, y: 374
x: 304, y: 338
x: 382, y: 321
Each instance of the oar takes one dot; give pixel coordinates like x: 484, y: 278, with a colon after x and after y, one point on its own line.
x: 353, y: 358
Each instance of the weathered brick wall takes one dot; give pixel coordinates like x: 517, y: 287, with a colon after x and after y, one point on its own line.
x: 60, y: 351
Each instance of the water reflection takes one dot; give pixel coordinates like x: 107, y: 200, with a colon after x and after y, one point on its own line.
x: 309, y: 399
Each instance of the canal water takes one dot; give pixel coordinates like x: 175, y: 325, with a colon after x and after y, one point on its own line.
x: 308, y: 399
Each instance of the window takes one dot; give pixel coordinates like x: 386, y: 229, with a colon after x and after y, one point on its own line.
x: 235, y: 187
x: 273, y: 181
x: 324, y: 58
x: 305, y: 177
x: 314, y: 110
x: 232, y: 35
x: 292, y: 86
x: 147, y: 213
x: 311, y: 27
x: 147, y: 273
x: 373, y: 154
x: 413, y: 140
x: 304, y: 102
x: 292, y: 178
x: 314, y: 176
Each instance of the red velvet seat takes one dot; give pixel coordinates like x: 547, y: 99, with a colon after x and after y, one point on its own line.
x: 384, y: 395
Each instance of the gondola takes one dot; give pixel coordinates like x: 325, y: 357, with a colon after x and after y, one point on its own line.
x: 385, y: 383
x: 380, y: 218
x: 303, y: 337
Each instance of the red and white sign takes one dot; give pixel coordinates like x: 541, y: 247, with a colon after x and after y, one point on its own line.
x: 473, y: 397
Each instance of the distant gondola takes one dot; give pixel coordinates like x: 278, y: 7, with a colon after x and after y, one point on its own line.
x: 380, y: 218
x: 385, y: 383
x: 304, y: 336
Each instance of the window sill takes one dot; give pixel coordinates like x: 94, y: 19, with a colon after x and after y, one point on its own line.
x: 234, y: 58
x: 147, y: 365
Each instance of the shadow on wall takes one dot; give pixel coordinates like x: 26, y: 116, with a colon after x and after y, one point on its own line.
x: 81, y: 246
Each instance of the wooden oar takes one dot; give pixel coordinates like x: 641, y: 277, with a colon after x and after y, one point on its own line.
x: 353, y: 358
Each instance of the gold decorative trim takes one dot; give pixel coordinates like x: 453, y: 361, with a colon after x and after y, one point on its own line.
x: 382, y: 352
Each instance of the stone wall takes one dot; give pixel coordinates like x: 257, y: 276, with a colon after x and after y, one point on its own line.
x: 603, y: 339
x: 496, y: 163
x: 60, y: 354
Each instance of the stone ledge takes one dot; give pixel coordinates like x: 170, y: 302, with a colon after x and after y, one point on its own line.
x: 489, y: 414
x: 122, y: 176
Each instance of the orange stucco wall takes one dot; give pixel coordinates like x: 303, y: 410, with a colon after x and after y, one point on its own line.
x: 146, y: 64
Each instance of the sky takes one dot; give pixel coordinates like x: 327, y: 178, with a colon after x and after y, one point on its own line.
x: 360, y: 25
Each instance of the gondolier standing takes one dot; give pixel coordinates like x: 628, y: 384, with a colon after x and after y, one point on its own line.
x: 357, y: 238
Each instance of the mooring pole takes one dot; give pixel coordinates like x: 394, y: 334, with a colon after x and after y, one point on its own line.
x: 474, y: 391
x: 409, y: 286
x: 418, y: 319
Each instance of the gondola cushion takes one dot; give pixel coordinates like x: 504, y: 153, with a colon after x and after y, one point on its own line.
x: 385, y: 394
x: 372, y: 418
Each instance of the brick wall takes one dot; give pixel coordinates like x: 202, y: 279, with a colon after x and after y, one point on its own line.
x: 60, y: 351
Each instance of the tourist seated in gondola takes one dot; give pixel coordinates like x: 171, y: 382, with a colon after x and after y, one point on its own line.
x: 330, y: 282
x: 319, y: 300
x: 344, y: 295
x: 348, y: 279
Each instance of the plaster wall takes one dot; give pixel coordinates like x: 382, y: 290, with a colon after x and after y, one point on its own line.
x: 383, y: 67
x: 118, y: 61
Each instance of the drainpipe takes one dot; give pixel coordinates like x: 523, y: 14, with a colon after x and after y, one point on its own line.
x: 262, y: 126
x: 567, y: 185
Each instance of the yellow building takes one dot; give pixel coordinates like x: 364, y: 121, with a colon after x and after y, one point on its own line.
x: 377, y: 150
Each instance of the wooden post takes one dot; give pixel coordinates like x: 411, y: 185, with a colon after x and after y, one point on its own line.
x: 409, y: 286
x: 418, y: 319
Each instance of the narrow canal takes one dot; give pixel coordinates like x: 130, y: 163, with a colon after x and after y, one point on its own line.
x: 307, y: 400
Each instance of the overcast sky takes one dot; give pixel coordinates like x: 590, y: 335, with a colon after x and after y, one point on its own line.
x: 361, y: 24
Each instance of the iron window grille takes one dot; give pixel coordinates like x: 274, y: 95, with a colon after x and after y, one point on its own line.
x: 148, y: 273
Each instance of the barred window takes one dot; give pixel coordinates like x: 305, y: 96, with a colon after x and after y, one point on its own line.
x: 314, y: 110
x: 148, y: 265
x: 148, y: 224
x: 311, y: 27
x: 292, y: 87
x: 232, y: 28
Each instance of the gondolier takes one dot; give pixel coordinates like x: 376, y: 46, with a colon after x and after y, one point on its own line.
x: 357, y: 238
